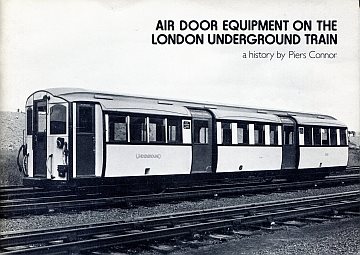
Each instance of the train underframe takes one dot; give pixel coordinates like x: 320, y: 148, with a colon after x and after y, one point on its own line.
x: 159, y: 183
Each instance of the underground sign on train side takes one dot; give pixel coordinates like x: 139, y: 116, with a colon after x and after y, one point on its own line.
x: 186, y: 124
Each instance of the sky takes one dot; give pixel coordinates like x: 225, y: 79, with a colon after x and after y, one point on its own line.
x: 106, y: 45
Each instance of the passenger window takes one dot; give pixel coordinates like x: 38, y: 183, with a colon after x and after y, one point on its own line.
x: 288, y: 135
x: 325, y: 136
x: 226, y: 133
x: 259, y: 134
x: 29, y: 117
x: 317, y: 136
x: 58, y: 119
x: 117, y: 128
x: 174, y: 130
x: 333, y: 136
x: 343, y: 137
x: 156, y: 130
x: 273, y: 135
x: 138, y: 129
x: 242, y: 133
x: 201, y: 131
x: 307, y: 136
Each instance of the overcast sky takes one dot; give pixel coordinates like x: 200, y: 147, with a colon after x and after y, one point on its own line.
x: 106, y: 45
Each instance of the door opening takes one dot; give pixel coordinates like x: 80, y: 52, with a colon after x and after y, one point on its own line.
x: 85, y: 139
x: 289, y: 147
x: 202, y: 142
x: 39, y: 138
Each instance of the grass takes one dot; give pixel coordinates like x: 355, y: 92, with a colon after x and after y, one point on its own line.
x: 9, y: 173
x: 354, y: 157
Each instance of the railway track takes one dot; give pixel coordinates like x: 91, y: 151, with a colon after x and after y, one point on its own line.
x: 57, y: 203
x: 79, y: 238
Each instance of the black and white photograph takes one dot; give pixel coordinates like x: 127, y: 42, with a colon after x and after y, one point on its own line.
x: 179, y: 127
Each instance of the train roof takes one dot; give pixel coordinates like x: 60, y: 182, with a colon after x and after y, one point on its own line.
x: 176, y: 107
x: 245, y: 116
x: 318, y: 121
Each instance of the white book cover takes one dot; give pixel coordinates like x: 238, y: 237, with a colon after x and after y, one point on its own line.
x: 299, y: 56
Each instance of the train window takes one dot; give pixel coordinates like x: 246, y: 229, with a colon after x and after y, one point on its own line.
x: 317, y: 135
x: 333, y: 136
x: 343, y: 137
x: 226, y: 133
x: 242, y: 133
x: 273, y: 135
x: 156, y: 130
x: 288, y: 135
x: 85, y: 119
x: 259, y: 134
x: 118, y: 128
x: 29, y: 116
x: 58, y: 119
x: 201, y: 131
x: 138, y: 129
x: 307, y: 136
x: 41, y: 119
x: 174, y: 130
x: 325, y: 136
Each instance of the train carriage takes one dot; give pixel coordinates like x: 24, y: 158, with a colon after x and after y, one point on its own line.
x: 75, y: 133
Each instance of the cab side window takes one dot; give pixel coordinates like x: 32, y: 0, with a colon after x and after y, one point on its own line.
x: 29, y: 121
x: 58, y: 119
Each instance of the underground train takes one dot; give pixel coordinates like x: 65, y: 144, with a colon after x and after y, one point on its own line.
x: 74, y: 134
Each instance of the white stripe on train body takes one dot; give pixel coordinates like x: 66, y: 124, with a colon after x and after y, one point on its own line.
x: 316, y: 157
x: 140, y: 160
x: 248, y: 158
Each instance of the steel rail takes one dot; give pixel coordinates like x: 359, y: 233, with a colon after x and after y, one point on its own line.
x: 19, y: 208
x: 176, y: 224
x: 321, y: 198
